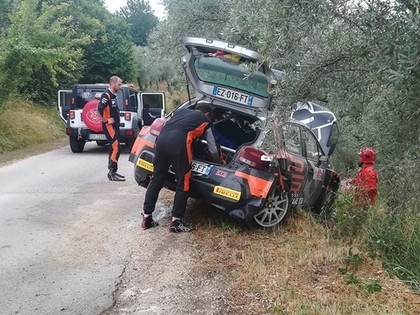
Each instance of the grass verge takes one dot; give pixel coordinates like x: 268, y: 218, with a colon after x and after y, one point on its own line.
x: 299, y: 268
x: 24, y: 124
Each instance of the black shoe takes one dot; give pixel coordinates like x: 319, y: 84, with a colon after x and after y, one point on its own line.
x: 148, y: 222
x: 119, y: 175
x: 115, y: 177
x: 177, y: 226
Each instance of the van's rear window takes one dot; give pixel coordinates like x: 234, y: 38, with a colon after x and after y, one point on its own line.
x: 86, y: 95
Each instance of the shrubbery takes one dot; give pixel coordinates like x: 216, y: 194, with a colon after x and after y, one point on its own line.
x: 394, y: 236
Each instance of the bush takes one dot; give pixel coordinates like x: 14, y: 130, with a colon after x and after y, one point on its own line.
x: 396, y: 238
x: 347, y: 220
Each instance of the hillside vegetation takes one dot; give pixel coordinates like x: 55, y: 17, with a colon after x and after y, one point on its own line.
x: 361, y: 59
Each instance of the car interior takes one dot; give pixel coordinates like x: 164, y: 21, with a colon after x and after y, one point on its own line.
x: 231, y: 130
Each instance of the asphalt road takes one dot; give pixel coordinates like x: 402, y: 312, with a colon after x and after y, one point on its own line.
x: 65, y: 232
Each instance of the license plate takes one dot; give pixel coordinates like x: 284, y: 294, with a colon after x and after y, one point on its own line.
x: 97, y: 136
x: 231, y: 95
x: 200, y: 168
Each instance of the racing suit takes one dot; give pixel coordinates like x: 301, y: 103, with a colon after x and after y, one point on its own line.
x: 174, y: 148
x: 108, y: 108
x: 366, y: 185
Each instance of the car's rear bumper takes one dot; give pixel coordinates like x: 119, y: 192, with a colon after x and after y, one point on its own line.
x: 241, y: 192
x: 86, y: 133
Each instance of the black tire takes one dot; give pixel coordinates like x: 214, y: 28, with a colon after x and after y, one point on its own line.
x: 77, y: 145
x: 275, y: 210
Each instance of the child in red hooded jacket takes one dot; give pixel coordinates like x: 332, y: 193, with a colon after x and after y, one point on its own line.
x: 366, y: 181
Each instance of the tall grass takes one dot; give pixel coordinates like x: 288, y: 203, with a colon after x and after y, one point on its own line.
x: 297, y: 268
x: 394, y: 236
x: 23, y: 123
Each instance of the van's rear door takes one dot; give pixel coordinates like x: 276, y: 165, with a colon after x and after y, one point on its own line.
x: 152, y: 106
x: 63, y: 104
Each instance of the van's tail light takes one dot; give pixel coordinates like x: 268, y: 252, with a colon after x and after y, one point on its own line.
x: 127, y: 116
x: 72, y: 114
x: 157, y: 126
x: 251, y: 156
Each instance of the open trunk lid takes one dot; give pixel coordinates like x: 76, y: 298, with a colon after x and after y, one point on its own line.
x: 229, y: 73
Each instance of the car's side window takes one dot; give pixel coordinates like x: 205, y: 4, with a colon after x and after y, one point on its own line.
x: 292, y: 139
x: 312, y: 148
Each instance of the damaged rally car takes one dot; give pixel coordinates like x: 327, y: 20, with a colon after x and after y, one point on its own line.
x: 270, y: 166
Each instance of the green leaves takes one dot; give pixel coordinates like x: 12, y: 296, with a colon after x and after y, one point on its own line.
x: 138, y: 14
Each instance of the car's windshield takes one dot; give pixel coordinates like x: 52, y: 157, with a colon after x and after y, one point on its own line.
x: 230, y: 73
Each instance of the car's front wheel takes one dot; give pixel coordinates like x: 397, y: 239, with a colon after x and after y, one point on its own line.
x: 275, y: 209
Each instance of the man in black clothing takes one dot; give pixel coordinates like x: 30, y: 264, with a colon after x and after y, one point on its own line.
x: 174, y: 148
x: 108, y: 109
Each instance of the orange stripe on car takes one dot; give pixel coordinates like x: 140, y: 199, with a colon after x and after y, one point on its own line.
x: 258, y: 187
x: 140, y: 144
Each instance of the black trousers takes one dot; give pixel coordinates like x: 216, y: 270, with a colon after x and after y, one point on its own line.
x: 112, y: 133
x: 173, y: 150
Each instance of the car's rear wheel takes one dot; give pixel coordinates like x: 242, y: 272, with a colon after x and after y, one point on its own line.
x: 77, y: 145
x: 275, y: 209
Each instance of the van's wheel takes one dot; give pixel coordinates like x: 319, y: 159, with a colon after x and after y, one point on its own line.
x: 275, y: 210
x: 77, y: 145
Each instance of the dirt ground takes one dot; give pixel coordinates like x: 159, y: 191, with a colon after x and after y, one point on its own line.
x: 159, y: 278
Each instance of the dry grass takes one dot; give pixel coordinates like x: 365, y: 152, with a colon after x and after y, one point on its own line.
x: 294, y: 269
x: 23, y: 124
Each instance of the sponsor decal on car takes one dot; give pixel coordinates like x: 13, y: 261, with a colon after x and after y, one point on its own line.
x: 220, y: 173
x: 144, y: 164
x: 318, y: 173
x: 226, y: 192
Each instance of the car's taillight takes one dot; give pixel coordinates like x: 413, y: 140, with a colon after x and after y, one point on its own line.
x: 251, y: 156
x: 127, y: 116
x: 72, y: 114
x: 157, y: 126
x: 129, y: 132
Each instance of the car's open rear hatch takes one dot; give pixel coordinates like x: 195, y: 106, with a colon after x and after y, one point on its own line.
x: 235, y: 75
